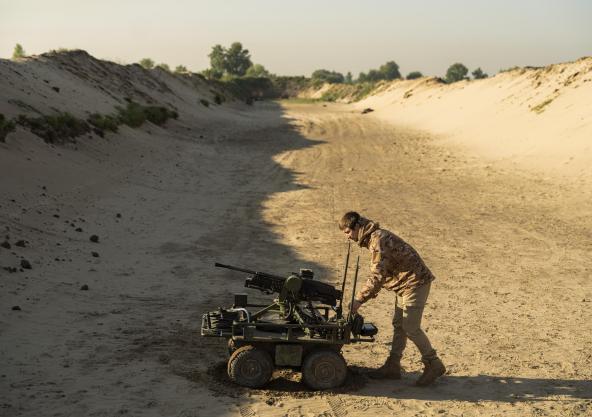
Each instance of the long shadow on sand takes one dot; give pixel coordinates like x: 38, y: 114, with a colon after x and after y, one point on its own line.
x: 483, y: 388
x: 451, y: 387
x: 239, y: 177
x: 249, y: 176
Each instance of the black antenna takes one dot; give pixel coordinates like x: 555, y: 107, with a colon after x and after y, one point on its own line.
x: 355, y: 283
x: 339, y: 309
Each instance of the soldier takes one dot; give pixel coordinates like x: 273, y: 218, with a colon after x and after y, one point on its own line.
x: 396, y: 266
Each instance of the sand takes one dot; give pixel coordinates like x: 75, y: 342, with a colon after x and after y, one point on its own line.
x: 540, y: 118
x: 262, y: 187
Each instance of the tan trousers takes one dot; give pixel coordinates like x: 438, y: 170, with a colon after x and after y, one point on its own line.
x: 407, y: 323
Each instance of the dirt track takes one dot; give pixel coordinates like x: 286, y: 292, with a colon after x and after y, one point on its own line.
x: 512, y: 252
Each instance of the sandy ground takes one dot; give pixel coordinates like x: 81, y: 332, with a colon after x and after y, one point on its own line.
x: 263, y: 188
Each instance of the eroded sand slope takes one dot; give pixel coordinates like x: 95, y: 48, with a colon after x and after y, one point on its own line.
x: 538, y: 117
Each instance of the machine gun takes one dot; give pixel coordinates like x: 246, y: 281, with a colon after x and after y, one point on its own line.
x: 304, y: 327
x: 301, y: 286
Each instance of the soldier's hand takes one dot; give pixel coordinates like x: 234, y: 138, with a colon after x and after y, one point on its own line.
x: 355, y: 306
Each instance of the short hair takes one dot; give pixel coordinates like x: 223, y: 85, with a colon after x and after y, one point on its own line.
x: 349, y: 220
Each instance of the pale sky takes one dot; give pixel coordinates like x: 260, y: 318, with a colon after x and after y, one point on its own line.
x: 297, y: 37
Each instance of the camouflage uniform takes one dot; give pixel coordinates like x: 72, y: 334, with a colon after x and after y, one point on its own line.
x: 396, y: 266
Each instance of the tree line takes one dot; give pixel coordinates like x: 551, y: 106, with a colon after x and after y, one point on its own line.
x: 235, y: 62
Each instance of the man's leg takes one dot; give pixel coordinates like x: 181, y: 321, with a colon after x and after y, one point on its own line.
x: 413, y: 306
x: 399, y: 336
x: 392, y: 367
x: 412, y: 314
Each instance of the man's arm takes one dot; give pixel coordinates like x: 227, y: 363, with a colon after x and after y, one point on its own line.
x: 375, y: 282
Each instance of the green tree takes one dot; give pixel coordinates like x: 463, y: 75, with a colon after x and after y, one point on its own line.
x: 374, y: 75
x: 212, y: 74
x: 146, y: 63
x: 326, y: 76
x: 389, y: 71
x: 456, y: 72
x: 18, y: 51
x: 217, y: 60
x: 164, y: 67
x: 413, y: 75
x: 348, y: 78
x: 362, y: 77
x: 238, y: 60
x: 181, y: 69
x: 233, y: 61
x: 257, y: 71
x: 478, y: 74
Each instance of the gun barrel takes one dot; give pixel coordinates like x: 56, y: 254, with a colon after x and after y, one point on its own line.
x: 248, y: 271
x: 234, y: 268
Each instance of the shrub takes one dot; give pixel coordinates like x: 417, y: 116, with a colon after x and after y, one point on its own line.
x: 103, y: 122
x: 218, y: 99
x: 245, y: 87
x: 387, y: 71
x: 256, y: 71
x: 146, y: 63
x: 539, y: 108
x: 55, y: 129
x: 362, y: 90
x: 212, y: 74
x: 478, y: 74
x: 6, y: 126
x: 514, y: 68
x: 413, y: 75
x: 204, y: 102
x: 164, y: 67
x: 181, y: 69
x: 18, y: 51
x: 330, y: 96
x: 350, y: 92
x: 324, y: 76
x: 287, y: 86
x: 159, y: 115
x: 132, y: 115
x: 61, y: 50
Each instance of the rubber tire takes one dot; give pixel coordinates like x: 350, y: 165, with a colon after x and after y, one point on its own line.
x: 250, y: 367
x: 324, y: 369
x: 232, y: 346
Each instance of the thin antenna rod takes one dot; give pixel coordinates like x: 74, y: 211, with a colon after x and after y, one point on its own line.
x: 340, y: 308
x: 355, y: 283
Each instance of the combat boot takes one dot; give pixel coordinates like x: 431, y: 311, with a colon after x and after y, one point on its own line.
x: 433, y: 368
x: 390, y: 370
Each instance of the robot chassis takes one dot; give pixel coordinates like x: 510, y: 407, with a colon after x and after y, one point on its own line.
x: 304, y: 328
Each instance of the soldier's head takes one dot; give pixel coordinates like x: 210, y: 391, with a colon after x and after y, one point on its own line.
x: 350, y: 225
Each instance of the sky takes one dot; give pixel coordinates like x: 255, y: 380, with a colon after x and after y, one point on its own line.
x: 298, y: 37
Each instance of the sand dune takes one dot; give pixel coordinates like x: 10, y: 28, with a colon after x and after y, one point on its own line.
x: 80, y: 84
x: 541, y: 118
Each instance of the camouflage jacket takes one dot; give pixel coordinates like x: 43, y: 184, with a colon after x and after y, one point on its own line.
x: 394, y: 264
